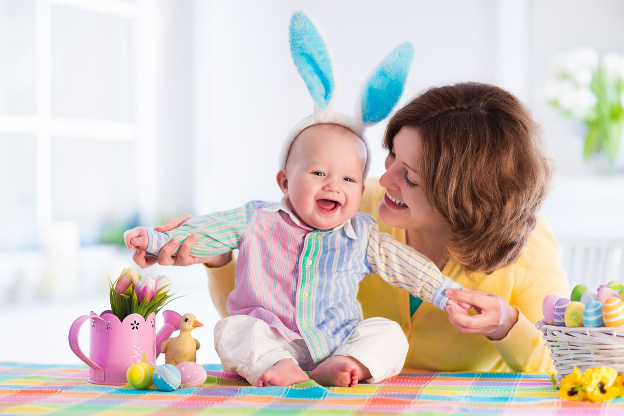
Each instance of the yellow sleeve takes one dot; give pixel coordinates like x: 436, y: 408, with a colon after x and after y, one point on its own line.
x: 220, y: 285
x: 538, y: 273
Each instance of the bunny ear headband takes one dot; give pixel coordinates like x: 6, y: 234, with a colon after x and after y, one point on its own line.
x: 380, y: 93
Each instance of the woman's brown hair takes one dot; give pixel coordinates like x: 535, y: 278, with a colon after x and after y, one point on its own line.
x: 482, y: 169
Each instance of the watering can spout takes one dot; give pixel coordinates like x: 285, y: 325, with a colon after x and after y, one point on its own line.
x: 171, y: 324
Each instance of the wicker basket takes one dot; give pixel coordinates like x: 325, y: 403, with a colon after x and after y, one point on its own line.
x: 584, y: 347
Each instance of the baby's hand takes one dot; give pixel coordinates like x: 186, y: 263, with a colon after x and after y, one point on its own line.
x: 136, y: 238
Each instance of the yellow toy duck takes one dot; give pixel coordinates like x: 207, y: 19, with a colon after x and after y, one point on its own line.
x: 183, y: 347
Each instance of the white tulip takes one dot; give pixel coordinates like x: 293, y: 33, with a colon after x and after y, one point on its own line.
x: 567, y: 95
x: 583, y: 101
x: 613, y: 66
x: 586, y: 58
x: 583, y: 77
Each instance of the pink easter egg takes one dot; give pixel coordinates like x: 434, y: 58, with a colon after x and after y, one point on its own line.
x: 606, y: 293
x: 548, y: 308
x: 192, y: 374
x: 560, y: 308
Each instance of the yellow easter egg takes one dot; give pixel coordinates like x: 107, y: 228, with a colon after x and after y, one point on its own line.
x: 613, y: 312
x: 140, y: 375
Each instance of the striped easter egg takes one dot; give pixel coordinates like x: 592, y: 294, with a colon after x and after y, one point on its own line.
x: 559, y: 314
x: 617, y: 286
x: 613, y: 312
x: 592, y: 314
x: 140, y: 375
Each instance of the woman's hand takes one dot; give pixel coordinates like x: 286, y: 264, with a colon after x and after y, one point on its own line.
x: 183, y: 256
x: 494, y: 319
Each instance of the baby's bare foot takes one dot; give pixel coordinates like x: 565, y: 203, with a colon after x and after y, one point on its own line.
x: 338, y: 371
x: 284, y: 373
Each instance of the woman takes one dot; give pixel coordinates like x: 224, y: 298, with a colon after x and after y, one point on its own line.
x: 465, y: 176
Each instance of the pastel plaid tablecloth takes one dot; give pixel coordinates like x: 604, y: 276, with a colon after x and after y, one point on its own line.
x: 29, y: 389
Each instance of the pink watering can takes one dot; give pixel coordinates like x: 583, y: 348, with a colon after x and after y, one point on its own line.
x: 116, y: 345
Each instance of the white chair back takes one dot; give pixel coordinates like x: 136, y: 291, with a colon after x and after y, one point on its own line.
x: 592, y: 262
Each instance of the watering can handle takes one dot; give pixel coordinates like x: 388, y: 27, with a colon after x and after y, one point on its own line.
x: 172, y: 323
x: 73, y: 341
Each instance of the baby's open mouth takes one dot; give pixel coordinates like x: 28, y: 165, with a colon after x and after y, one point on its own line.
x: 327, y: 205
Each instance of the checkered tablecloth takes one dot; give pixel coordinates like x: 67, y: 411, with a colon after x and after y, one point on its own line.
x: 30, y: 389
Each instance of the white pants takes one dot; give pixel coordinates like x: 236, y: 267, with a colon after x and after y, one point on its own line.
x: 248, y: 346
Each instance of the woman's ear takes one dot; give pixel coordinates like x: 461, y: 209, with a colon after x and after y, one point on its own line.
x: 282, y: 181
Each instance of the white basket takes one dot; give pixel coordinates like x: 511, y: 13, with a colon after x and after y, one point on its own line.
x: 583, y: 347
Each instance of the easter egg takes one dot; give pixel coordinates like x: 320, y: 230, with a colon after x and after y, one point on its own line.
x: 588, y: 296
x: 167, y: 377
x: 577, y: 292
x: 193, y: 374
x: 548, y: 308
x: 574, y: 314
x: 560, y: 308
x: 613, y: 312
x: 592, y: 315
x: 139, y: 375
x: 606, y: 293
x: 617, y: 286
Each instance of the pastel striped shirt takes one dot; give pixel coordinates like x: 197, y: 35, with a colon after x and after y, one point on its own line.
x: 303, y: 282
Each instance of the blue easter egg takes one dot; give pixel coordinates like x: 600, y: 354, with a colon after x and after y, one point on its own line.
x: 592, y: 314
x: 167, y: 377
x: 559, y: 313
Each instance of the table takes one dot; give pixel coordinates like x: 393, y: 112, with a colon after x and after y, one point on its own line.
x: 63, y: 389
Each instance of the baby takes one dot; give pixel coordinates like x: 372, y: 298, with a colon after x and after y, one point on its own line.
x: 294, y: 307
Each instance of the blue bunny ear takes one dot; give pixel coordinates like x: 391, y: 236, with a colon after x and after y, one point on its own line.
x: 311, y: 57
x: 385, y: 86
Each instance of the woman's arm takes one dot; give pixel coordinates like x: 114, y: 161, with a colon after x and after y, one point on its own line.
x: 509, y: 322
x: 221, y: 284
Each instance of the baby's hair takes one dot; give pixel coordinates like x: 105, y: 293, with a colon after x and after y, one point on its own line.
x: 482, y: 169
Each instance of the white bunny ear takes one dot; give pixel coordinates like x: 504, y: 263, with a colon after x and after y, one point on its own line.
x: 385, y: 86
x: 311, y: 57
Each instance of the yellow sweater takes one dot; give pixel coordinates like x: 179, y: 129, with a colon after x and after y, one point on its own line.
x: 434, y: 343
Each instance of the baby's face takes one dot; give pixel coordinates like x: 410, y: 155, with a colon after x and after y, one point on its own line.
x: 323, y: 175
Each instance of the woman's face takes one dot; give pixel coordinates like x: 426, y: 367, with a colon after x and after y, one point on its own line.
x: 404, y: 204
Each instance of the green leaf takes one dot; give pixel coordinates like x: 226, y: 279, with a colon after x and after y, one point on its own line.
x: 592, y: 140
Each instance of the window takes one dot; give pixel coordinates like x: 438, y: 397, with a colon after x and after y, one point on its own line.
x: 69, y: 117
